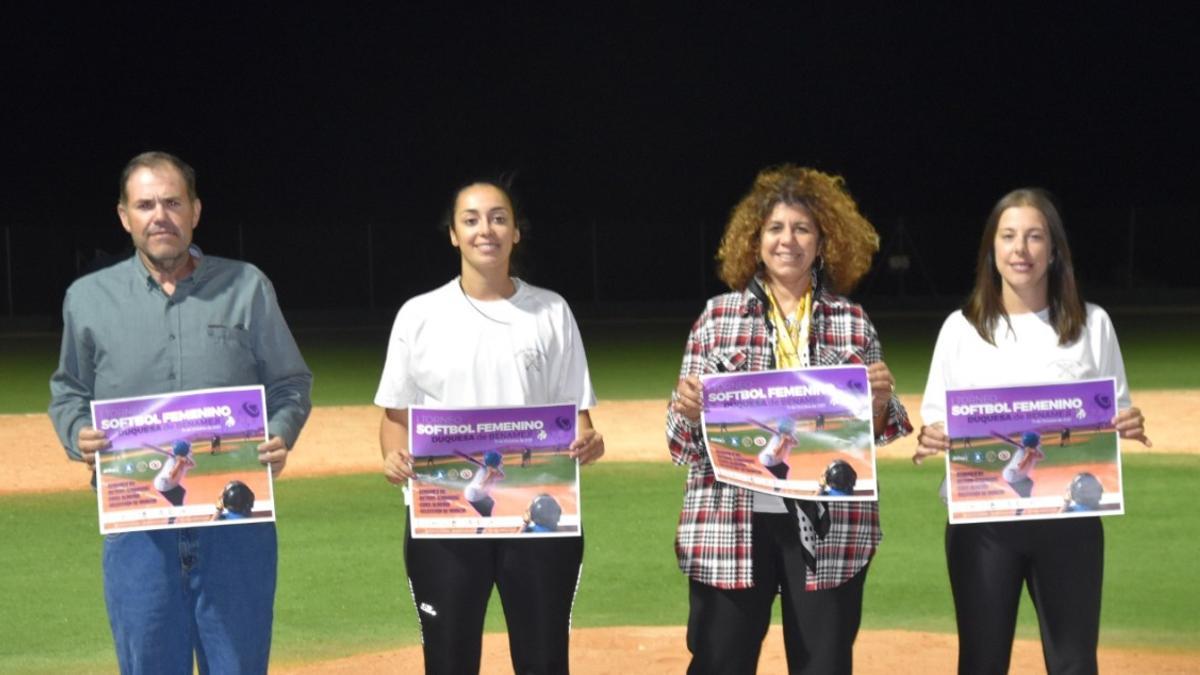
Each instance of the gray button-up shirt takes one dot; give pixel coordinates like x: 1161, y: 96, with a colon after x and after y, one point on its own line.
x: 123, y: 336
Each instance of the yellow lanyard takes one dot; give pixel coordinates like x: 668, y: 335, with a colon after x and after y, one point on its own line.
x: 791, y: 337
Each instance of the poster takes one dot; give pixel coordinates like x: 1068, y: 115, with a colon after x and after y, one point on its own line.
x: 184, y: 459
x: 804, y: 433
x: 1033, y: 452
x: 493, y: 472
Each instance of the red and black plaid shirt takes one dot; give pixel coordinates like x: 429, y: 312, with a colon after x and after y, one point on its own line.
x: 714, y: 534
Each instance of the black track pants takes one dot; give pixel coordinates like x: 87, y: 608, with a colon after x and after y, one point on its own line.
x: 1062, y: 561
x: 451, y: 582
x: 726, y: 628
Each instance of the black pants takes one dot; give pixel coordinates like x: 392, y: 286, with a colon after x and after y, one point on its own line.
x: 779, y: 470
x: 175, y: 495
x: 1062, y: 561
x: 726, y: 628
x: 451, y: 582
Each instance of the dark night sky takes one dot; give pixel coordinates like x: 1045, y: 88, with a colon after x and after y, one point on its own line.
x: 649, y: 121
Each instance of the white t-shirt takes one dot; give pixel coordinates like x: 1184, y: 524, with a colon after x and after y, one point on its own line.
x: 768, y: 457
x: 162, y: 481
x: 452, y: 350
x: 481, y: 485
x: 1012, y: 471
x: 1029, y: 353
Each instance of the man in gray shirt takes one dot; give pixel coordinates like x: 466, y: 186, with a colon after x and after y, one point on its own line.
x: 171, y: 319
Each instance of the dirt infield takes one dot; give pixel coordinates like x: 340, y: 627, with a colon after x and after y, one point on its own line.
x: 632, y: 650
x: 341, y: 440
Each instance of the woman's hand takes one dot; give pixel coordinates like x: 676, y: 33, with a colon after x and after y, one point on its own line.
x: 689, y: 396
x: 931, y: 441
x: 588, y: 446
x: 398, y: 466
x: 883, y: 385
x: 1130, y: 424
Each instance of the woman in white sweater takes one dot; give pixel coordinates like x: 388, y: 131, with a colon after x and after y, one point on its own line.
x: 1025, y: 323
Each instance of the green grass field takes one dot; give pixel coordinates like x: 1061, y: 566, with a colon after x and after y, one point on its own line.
x: 342, y: 586
x: 627, y: 359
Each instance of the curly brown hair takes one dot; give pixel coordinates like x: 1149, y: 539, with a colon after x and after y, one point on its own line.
x: 848, y: 239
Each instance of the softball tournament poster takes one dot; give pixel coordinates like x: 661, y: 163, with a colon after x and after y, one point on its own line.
x: 493, y: 472
x: 185, y: 459
x: 1033, y: 452
x: 803, y: 433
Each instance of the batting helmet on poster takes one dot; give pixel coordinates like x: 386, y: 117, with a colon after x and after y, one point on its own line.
x: 840, y: 476
x: 237, y: 497
x: 545, y: 512
x: 1030, y: 439
x: 181, y: 448
x: 1086, y: 490
x: 492, y: 458
x: 787, y: 425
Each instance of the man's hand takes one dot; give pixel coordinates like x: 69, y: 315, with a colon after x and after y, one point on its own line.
x: 273, y: 453
x: 90, y: 442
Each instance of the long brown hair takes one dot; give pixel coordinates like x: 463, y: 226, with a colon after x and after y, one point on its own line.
x: 985, y: 307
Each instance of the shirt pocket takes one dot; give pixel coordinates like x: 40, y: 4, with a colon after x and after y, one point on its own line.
x: 225, y: 357
x: 837, y: 356
x: 727, y: 361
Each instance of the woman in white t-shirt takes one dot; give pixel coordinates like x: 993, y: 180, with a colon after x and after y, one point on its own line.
x: 1025, y: 323
x: 487, y: 339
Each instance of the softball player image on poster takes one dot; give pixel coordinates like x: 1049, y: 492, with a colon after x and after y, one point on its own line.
x: 543, y: 514
x: 487, y: 338
x: 236, y: 501
x: 479, y: 491
x: 1025, y: 456
x: 174, y: 468
x: 775, y: 455
x: 791, y: 247
x: 1083, y: 494
x: 838, y: 478
x: 1025, y: 322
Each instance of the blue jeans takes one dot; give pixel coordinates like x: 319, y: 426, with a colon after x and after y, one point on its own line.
x: 207, y: 591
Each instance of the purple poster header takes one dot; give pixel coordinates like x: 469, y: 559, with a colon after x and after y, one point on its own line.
x: 834, y: 391
x: 161, y: 419
x: 1007, y: 410
x: 441, y: 432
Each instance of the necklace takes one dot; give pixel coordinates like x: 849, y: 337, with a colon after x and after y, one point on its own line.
x: 476, y: 307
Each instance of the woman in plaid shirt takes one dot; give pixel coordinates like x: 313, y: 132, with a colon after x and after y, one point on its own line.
x: 791, y: 245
